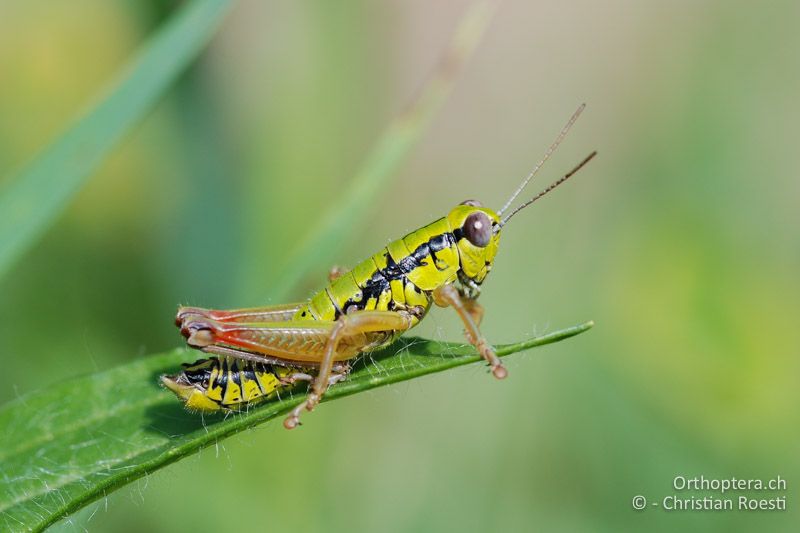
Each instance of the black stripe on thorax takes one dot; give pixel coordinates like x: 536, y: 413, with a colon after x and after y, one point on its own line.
x: 439, y: 243
x: 378, y: 283
x: 418, y: 257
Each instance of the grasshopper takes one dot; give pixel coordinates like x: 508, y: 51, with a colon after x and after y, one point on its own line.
x: 259, y: 351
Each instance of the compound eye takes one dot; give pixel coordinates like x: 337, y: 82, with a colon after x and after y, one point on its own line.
x: 473, y: 203
x: 478, y: 229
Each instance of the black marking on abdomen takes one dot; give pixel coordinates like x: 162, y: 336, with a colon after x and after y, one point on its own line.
x: 198, y: 375
x: 222, y: 377
x: 235, y: 375
x: 248, y: 372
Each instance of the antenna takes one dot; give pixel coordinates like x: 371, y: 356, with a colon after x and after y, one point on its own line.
x: 547, y: 155
x: 552, y: 186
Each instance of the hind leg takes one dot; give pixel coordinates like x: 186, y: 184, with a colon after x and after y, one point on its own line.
x: 345, y: 326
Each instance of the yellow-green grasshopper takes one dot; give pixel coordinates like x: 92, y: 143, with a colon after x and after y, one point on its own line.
x: 258, y: 351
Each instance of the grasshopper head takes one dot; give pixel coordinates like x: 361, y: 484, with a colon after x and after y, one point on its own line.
x: 477, y: 233
x: 190, y: 386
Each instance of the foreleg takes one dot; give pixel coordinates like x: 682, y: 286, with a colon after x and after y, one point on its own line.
x: 447, y: 295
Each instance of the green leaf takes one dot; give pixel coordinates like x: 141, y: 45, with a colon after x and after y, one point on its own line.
x: 32, y: 199
x: 397, y: 140
x: 66, y: 446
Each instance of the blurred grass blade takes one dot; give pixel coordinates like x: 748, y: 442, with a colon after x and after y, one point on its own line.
x: 68, y: 445
x: 318, y: 247
x: 32, y: 199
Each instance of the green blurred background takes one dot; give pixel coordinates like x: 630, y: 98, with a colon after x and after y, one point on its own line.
x: 680, y: 241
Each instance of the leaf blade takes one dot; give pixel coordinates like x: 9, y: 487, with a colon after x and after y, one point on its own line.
x: 59, y: 452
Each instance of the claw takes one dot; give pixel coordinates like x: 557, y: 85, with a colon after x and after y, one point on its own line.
x: 291, y: 422
x: 499, y: 371
x: 312, y: 401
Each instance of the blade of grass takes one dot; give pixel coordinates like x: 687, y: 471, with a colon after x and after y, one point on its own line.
x: 318, y: 247
x: 68, y: 445
x: 38, y: 193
